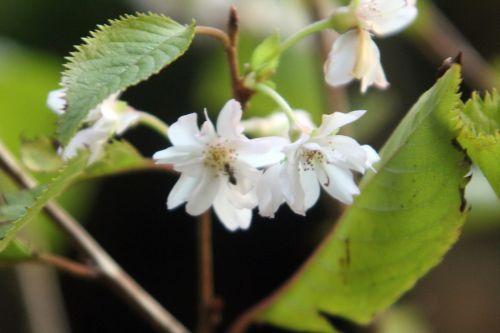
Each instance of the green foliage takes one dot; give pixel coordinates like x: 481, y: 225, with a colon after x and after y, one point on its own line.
x: 116, y: 56
x: 22, y: 207
x: 25, y: 79
x: 15, y: 251
x: 408, y: 215
x: 479, y: 134
x: 214, y: 87
x: 265, y: 58
x: 40, y: 155
x: 118, y: 157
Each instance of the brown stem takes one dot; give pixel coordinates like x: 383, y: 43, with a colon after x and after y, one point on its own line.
x: 207, y: 318
x: 230, y: 42
x: 110, y: 271
x: 66, y: 265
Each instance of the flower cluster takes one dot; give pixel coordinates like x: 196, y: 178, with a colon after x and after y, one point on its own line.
x: 111, y: 117
x: 221, y: 167
x: 354, y: 54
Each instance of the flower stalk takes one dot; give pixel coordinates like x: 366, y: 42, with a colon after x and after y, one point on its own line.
x: 154, y: 123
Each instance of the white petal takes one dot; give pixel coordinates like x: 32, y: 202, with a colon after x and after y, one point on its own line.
x: 342, y: 59
x: 56, y: 101
x: 229, y: 121
x: 185, y: 131
x: 193, y: 167
x: 232, y: 218
x: 368, y: 66
x: 245, y: 175
x: 332, y: 122
x: 89, y: 138
x: 207, y: 133
x: 262, y: 152
x: 292, y: 188
x: 338, y: 182
x: 350, y: 151
x: 181, y: 191
x: 311, y: 187
x: 269, y: 193
x: 177, y: 154
x: 372, y: 156
x: 203, y: 195
x: 392, y: 16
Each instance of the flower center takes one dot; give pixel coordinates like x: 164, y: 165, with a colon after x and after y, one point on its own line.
x: 309, y: 158
x: 219, y: 157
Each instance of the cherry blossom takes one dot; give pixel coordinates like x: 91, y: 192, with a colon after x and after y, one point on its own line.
x: 320, y: 158
x: 218, y: 165
x: 111, y: 117
x: 354, y: 54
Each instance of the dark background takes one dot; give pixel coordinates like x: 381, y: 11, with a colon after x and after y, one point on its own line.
x: 129, y: 218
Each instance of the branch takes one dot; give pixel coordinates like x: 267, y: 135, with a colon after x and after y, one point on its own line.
x: 208, y: 316
x: 66, y: 265
x: 110, y: 271
x: 230, y: 42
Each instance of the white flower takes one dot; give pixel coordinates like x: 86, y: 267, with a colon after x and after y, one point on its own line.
x: 320, y: 157
x: 218, y: 166
x: 355, y: 55
x: 276, y: 124
x: 386, y: 17
x: 111, y: 117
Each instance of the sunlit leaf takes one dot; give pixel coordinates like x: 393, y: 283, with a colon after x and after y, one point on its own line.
x: 15, y: 251
x: 116, y: 56
x: 22, y: 207
x: 479, y: 134
x: 40, y: 155
x: 119, y: 157
x: 265, y: 58
x: 407, y: 217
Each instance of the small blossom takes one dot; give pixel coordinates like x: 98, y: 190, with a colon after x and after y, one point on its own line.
x: 218, y: 166
x: 319, y: 158
x: 355, y: 55
x: 276, y: 124
x: 386, y: 17
x: 111, y: 117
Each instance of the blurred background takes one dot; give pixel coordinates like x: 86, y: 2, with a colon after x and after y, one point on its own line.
x: 127, y: 214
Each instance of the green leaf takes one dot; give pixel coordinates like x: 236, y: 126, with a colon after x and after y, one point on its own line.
x: 407, y: 217
x: 119, y: 157
x: 40, y: 155
x: 22, y: 207
x: 16, y: 251
x: 265, y: 58
x: 479, y: 134
x: 116, y: 56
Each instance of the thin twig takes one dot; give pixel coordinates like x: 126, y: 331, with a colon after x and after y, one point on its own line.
x: 63, y: 264
x: 207, y: 318
x: 214, y: 33
x: 230, y: 42
x: 111, y: 272
x: 66, y: 265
